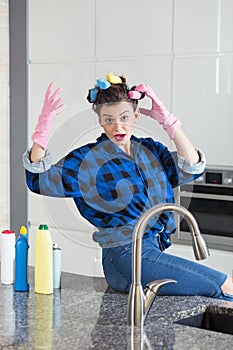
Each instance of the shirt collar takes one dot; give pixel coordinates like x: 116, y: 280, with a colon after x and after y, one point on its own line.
x: 110, y: 146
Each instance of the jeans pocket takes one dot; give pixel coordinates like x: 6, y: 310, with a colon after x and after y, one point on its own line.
x: 115, y: 277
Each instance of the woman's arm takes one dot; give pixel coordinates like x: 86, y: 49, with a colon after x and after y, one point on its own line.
x: 51, y: 107
x: 170, y: 124
x: 37, y: 153
x: 54, y: 180
x: 185, y: 147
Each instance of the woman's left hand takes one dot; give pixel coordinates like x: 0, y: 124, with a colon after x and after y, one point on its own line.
x: 159, y: 112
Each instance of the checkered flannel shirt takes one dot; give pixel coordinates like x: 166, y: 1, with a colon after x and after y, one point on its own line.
x: 111, y: 189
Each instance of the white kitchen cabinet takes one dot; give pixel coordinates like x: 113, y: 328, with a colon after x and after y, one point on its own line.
x: 196, y: 26
x: 133, y: 28
x: 61, y: 30
x: 203, y: 100
x: 226, y: 26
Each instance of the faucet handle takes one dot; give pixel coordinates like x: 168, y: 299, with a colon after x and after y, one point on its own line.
x: 151, y: 291
x: 154, y: 286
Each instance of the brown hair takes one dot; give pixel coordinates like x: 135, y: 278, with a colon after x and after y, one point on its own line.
x: 116, y: 93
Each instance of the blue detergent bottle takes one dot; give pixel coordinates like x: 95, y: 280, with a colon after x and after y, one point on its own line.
x: 21, y: 261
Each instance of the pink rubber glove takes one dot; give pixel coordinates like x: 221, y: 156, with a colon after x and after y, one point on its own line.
x: 159, y: 111
x: 50, y: 109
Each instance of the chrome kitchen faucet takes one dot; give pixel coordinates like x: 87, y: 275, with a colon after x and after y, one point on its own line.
x: 140, y: 301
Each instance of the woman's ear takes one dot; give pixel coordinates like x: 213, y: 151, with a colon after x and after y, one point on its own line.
x: 137, y: 114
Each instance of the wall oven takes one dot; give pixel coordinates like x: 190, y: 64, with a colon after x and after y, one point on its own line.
x: 210, y: 200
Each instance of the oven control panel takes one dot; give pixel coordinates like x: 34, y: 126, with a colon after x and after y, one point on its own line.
x: 216, y: 177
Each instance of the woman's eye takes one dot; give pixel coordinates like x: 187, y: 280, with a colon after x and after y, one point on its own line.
x: 124, y: 118
x: 108, y: 121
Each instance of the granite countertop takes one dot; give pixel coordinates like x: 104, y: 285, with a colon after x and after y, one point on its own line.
x: 87, y: 314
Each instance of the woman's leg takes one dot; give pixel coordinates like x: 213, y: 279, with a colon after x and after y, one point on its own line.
x: 117, y: 267
x: 192, y: 278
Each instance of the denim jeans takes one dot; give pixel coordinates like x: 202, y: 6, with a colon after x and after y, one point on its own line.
x: 192, y: 278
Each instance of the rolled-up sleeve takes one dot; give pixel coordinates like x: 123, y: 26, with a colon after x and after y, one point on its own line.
x: 40, y: 167
x: 54, y: 180
x: 190, y: 168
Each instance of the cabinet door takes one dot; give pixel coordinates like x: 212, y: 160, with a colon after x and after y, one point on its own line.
x: 203, y: 99
x: 61, y: 30
x: 133, y: 28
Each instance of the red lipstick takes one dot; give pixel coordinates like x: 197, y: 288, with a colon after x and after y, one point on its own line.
x: 119, y: 137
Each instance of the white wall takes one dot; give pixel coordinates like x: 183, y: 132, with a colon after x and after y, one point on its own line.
x: 183, y: 48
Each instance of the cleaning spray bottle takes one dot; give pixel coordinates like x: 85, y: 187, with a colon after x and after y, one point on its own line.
x: 43, y: 261
x: 21, y: 261
x: 56, y: 266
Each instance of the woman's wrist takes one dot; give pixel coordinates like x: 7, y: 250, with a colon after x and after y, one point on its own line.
x: 37, y: 153
x: 185, y: 147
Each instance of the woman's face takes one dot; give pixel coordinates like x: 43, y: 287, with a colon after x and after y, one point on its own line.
x: 118, y: 122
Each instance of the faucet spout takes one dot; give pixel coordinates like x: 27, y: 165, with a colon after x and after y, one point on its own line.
x: 140, y: 302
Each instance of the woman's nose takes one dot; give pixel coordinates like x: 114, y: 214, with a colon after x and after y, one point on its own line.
x: 117, y: 126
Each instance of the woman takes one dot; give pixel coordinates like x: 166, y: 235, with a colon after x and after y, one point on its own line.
x: 117, y: 178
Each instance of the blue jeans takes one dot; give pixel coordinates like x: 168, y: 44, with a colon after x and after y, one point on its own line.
x: 192, y: 278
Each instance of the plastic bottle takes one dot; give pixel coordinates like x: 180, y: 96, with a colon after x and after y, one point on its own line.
x: 56, y: 266
x: 21, y: 261
x: 7, y: 256
x: 43, y: 261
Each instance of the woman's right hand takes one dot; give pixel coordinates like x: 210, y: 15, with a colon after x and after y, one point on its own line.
x: 52, y: 106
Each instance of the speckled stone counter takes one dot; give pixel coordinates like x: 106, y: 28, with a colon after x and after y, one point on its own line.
x: 87, y: 314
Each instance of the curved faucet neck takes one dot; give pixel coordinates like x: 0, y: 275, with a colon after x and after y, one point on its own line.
x: 139, y: 301
x: 141, y: 227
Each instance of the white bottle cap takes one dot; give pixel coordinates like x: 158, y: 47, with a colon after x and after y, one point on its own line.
x: 55, y: 246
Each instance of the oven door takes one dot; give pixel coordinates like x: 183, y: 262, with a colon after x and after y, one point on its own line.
x: 213, y: 209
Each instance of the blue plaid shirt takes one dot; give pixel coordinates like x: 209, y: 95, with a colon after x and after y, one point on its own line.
x: 112, y: 190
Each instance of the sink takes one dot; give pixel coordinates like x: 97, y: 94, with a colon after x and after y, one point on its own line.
x: 213, y: 318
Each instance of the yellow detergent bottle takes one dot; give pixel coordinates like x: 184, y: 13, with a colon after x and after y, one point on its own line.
x: 43, y: 261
